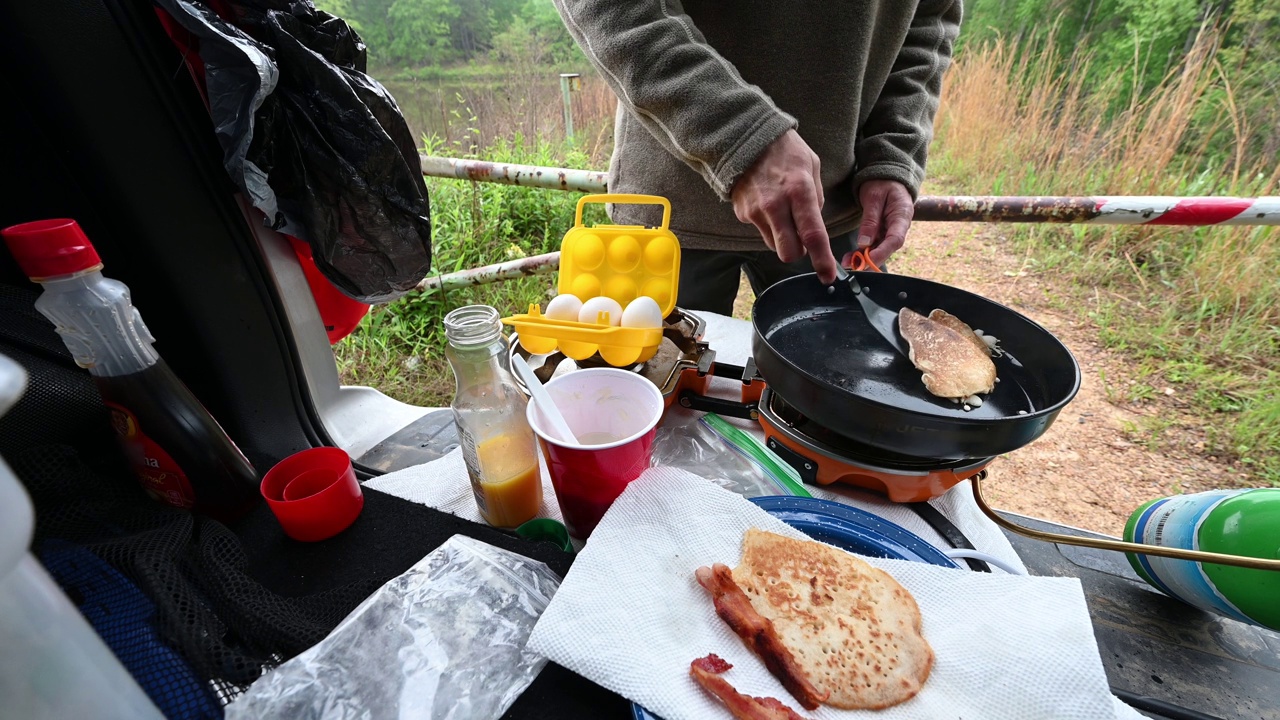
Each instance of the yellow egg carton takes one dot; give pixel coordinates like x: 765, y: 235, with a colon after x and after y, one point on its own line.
x: 622, y: 262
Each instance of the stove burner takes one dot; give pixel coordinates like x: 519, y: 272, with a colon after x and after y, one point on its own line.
x: 823, y: 457
x: 682, y: 349
x: 847, y: 448
x: 595, y: 361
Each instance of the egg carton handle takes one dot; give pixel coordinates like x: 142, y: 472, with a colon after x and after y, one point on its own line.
x: 618, y: 198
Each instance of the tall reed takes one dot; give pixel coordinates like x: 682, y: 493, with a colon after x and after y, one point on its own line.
x: 1201, y: 305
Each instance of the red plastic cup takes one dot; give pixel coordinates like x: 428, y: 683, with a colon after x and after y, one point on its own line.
x: 614, y: 414
x: 314, y: 493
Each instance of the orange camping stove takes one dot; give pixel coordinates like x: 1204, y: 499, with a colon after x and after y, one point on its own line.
x: 820, y: 456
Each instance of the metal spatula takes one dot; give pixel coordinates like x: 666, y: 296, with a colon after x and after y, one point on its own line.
x: 884, y: 320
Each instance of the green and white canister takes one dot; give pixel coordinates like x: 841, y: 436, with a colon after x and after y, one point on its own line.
x: 1234, y: 522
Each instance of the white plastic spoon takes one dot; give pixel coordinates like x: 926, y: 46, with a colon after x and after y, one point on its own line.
x: 546, y: 405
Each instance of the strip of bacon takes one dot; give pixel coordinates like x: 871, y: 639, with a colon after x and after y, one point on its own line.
x: 706, y: 671
x: 734, y: 607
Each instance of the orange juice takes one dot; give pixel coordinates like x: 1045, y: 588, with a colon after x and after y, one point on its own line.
x: 510, y: 491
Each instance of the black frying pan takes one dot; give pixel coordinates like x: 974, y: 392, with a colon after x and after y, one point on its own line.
x: 814, y: 346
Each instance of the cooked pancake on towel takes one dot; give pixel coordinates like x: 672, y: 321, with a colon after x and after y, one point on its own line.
x: 853, y: 631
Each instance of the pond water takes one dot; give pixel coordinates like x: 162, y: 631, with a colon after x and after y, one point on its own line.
x: 474, y: 113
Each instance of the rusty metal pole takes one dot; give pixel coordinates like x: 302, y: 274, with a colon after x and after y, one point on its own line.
x: 550, y: 178
x: 1093, y: 210
x: 1102, y: 210
x: 1097, y: 210
x: 510, y: 270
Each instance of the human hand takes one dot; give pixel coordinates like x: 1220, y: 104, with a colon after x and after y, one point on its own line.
x: 887, y: 210
x: 781, y: 194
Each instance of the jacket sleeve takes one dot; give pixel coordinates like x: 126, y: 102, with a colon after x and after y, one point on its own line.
x: 687, y: 95
x: 893, y: 143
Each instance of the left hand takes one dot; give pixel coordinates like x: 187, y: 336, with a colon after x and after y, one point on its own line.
x: 887, y: 210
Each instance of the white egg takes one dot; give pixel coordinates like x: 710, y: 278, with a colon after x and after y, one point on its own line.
x: 592, y: 308
x: 643, y: 312
x: 564, y: 307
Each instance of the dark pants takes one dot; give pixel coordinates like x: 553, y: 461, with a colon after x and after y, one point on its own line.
x: 709, y: 278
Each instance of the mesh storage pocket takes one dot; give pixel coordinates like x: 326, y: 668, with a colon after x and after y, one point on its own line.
x: 188, y: 617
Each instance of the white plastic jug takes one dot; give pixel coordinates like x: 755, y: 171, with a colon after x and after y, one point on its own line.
x: 52, y: 663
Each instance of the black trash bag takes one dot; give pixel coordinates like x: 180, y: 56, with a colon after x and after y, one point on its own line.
x: 318, y: 146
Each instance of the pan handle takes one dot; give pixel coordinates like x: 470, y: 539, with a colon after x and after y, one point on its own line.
x: 1117, y: 545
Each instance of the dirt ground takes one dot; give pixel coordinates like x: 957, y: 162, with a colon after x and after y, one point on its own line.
x: 1095, y: 464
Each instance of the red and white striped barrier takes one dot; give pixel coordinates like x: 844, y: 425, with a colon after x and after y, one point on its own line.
x: 1107, y: 210
x: 1188, y: 211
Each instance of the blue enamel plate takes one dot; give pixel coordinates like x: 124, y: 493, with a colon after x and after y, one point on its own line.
x: 845, y: 527
x: 849, y: 528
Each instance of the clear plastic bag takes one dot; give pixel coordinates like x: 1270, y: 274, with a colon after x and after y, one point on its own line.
x: 445, y: 640
x: 714, y: 449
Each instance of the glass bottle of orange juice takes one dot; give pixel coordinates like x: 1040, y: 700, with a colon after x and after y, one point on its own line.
x: 498, y: 445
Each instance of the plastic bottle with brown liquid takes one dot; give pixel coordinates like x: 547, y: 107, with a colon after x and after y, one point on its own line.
x: 179, y: 453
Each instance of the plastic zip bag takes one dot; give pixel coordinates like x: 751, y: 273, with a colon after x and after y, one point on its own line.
x: 444, y: 640
x: 714, y: 449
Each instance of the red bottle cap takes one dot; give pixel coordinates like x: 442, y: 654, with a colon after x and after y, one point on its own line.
x: 49, y: 248
x: 314, y: 493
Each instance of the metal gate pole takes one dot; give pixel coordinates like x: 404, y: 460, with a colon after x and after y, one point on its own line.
x: 569, y: 82
x: 1097, y: 210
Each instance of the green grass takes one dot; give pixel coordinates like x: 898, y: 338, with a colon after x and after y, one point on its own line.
x: 399, y: 347
x: 1219, y: 356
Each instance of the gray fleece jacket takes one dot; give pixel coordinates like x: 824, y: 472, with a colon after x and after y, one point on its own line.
x: 704, y: 86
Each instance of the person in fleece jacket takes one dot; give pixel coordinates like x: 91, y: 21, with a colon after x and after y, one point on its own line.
x: 800, y: 123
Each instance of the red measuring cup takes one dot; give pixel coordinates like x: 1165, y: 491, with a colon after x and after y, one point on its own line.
x: 314, y: 493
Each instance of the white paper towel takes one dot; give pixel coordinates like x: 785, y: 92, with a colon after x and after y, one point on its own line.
x: 630, y: 616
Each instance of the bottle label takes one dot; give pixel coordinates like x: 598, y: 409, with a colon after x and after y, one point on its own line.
x: 157, y: 472
x: 472, y: 459
x: 1175, y: 522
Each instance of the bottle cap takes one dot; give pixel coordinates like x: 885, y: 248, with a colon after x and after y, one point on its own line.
x: 547, y: 530
x: 314, y: 493
x: 49, y: 248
